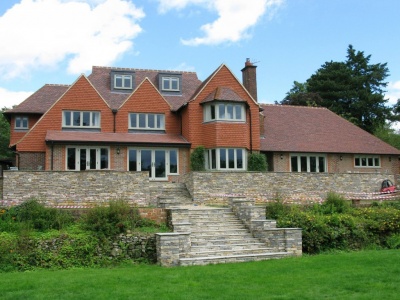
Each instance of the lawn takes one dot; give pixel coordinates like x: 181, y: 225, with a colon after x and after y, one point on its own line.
x: 352, y: 275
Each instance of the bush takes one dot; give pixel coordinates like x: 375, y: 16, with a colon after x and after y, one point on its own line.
x: 117, y: 217
x: 257, y: 162
x: 335, y: 203
x: 197, y: 161
x: 32, y: 215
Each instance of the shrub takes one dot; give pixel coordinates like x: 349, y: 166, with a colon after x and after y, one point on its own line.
x: 197, y: 161
x: 32, y: 215
x: 117, y: 217
x: 335, y: 203
x: 257, y: 162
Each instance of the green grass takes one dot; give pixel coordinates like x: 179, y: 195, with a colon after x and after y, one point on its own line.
x: 353, y: 275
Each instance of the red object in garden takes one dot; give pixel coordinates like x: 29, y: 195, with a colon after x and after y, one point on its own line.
x: 388, y: 187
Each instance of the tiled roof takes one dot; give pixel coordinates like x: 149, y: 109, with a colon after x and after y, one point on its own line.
x: 100, y: 78
x: 318, y: 130
x: 120, y: 138
x: 40, y: 101
x: 223, y: 94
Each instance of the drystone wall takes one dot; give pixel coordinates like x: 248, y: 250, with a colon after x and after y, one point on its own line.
x: 216, y: 187
x: 76, y: 188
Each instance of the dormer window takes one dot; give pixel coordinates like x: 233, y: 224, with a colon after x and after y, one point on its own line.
x: 220, y: 111
x: 170, y: 83
x: 21, y: 123
x: 122, y: 81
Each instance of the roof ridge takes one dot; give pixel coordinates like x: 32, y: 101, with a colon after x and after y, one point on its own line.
x: 299, y: 106
x: 55, y: 84
x: 138, y: 69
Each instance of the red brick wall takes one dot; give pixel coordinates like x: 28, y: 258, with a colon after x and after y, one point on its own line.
x: 81, y: 96
x: 158, y: 215
x: 31, y: 160
x: 225, y: 134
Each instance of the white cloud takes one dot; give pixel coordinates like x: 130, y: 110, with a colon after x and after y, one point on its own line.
x: 42, y: 33
x: 9, y: 98
x: 235, y: 18
x: 393, y: 91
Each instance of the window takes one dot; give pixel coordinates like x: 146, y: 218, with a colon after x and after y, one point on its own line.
x: 79, y: 119
x: 308, y: 163
x: 21, y: 123
x: 225, y: 159
x: 146, y: 121
x: 224, y: 112
x: 170, y: 84
x: 367, y: 161
x: 122, y: 81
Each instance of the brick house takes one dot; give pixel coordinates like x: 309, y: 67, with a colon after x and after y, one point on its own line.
x: 150, y: 120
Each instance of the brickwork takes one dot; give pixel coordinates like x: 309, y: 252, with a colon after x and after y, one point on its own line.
x: 216, y: 187
x: 77, y: 188
x: 31, y: 160
x: 158, y: 215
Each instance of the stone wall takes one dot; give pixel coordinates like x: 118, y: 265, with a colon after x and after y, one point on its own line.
x: 216, y: 187
x: 77, y: 188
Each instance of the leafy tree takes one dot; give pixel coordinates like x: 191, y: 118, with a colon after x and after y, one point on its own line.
x: 353, y: 89
x: 257, y: 162
x: 5, y: 152
x: 388, y: 135
x: 197, y: 160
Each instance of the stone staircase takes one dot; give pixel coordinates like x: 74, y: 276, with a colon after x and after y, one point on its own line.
x: 218, y: 236
x: 171, y: 194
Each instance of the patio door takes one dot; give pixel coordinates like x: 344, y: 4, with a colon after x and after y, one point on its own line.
x: 87, y: 158
x: 153, y: 161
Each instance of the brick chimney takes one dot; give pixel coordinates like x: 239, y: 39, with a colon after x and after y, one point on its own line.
x: 250, y: 78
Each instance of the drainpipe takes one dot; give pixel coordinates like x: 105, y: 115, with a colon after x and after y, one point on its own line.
x: 251, y: 132
x: 52, y: 155
x: 114, y: 111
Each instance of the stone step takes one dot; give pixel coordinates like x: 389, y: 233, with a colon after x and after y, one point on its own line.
x: 220, y: 231
x: 231, y: 258
x: 222, y: 247
x: 223, y: 252
x: 213, y: 237
x: 222, y: 242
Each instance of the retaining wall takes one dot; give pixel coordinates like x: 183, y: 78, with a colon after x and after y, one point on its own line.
x: 216, y: 187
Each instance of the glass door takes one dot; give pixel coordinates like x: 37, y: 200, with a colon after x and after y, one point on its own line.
x: 150, y: 160
x: 159, y: 164
x: 87, y: 158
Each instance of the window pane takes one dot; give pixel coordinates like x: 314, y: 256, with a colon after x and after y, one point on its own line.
x: 160, y: 121
x: 231, y: 158
x: 221, y: 111
x: 77, y: 118
x: 132, y: 160
x: 166, y: 85
x: 239, y: 158
x: 104, y: 158
x: 357, y: 162
x: 71, y: 159
x: 18, y: 122
x: 96, y: 119
x: 303, y: 163
x: 118, y: 81
x: 212, y: 107
x: 174, y: 82
x: 313, y: 164
x: 151, y: 121
x: 238, y: 112
x: 364, y: 161
x: 127, y: 81
x: 173, y: 161
x: 293, y: 161
x: 25, y: 122
x: 377, y: 164
x: 86, y: 118
x: 222, y: 158
x: 229, y: 111
x: 213, y: 159
x: 321, y: 164
x: 133, y: 120
x: 142, y: 121
x: 370, y: 161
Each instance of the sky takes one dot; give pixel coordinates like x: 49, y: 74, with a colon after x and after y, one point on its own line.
x: 54, y: 41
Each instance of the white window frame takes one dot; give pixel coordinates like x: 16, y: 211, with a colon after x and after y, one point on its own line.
x: 308, y: 157
x: 371, y: 161
x: 209, y: 159
x: 218, y: 107
x: 78, y: 157
x: 123, y: 78
x: 93, y: 122
x: 170, y: 80
x: 147, y: 125
x: 21, y: 120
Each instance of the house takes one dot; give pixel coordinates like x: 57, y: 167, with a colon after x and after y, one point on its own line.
x: 150, y: 120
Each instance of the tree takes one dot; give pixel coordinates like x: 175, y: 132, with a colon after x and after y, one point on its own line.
x: 388, y: 135
x: 5, y: 152
x: 353, y: 89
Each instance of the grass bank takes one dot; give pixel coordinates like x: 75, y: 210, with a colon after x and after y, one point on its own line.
x: 351, y: 275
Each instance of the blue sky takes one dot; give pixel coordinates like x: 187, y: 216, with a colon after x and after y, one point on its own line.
x: 54, y: 41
